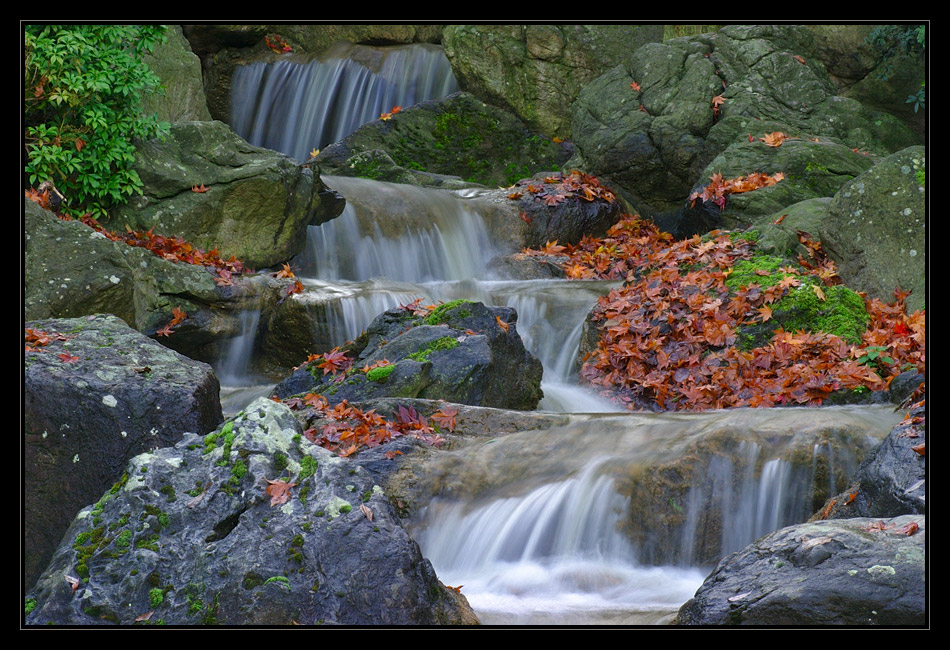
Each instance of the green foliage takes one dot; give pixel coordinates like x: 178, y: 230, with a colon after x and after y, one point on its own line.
x: 873, y: 355
x: 82, y: 92
x: 895, y: 40
x: 156, y: 597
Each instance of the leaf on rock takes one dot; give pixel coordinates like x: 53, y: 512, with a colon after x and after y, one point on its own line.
x: 279, y: 491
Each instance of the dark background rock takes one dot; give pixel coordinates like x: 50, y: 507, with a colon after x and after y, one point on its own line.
x: 84, y: 419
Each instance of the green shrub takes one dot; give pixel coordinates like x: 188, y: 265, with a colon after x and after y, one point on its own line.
x: 82, y: 91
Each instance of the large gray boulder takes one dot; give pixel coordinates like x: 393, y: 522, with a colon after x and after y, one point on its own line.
x: 876, y: 230
x: 97, y: 394
x: 254, y: 204
x: 537, y: 71
x: 838, y: 572
x: 250, y: 525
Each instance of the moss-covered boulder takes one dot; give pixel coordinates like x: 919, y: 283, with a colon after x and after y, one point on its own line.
x: 876, y: 230
x: 653, y: 140
x: 810, y: 307
x: 536, y: 71
x: 809, y: 170
x: 462, y: 351
x: 252, y: 203
x: 456, y: 136
x: 250, y: 524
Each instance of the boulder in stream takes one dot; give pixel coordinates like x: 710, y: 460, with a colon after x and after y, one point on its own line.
x: 460, y: 351
x: 837, y: 572
x: 248, y: 525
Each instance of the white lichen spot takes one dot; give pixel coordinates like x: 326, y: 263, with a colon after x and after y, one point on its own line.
x: 124, y: 434
x: 109, y: 400
x: 114, y: 280
x: 894, y: 193
x: 907, y: 212
x: 76, y: 458
x: 881, y: 570
x: 45, y: 434
x: 905, y: 169
x: 913, y: 253
x: 852, y: 572
x: 154, y: 431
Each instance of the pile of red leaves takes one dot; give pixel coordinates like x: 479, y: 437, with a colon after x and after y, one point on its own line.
x: 560, y: 187
x: 346, y: 429
x: 667, y: 336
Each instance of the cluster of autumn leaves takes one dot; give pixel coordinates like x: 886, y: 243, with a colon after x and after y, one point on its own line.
x: 668, y: 335
x: 346, y: 429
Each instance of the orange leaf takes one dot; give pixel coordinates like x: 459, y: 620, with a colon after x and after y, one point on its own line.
x: 502, y: 324
x: 799, y: 59
x: 818, y: 292
x: 780, y: 219
x: 199, y: 189
x: 774, y: 139
x: 278, y: 491
x: 635, y: 86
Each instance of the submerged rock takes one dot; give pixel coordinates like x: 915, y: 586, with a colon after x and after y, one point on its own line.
x: 249, y: 525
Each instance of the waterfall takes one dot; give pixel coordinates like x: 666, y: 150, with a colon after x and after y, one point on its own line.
x: 296, y: 106
x: 233, y: 368
x: 555, y: 555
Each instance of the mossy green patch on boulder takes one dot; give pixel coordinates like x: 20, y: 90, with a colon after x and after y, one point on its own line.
x: 838, y: 310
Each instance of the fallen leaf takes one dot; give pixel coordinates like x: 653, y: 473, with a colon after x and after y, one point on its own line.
x: 366, y: 511
x: 144, y: 617
x: 780, y: 219
x: 774, y: 139
x: 199, y: 189
x: 909, y: 529
x: 799, y: 59
x: 635, y: 86
x: 279, y: 491
x: 502, y: 324
x: 921, y: 449
x: 818, y: 292
x: 73, y: 582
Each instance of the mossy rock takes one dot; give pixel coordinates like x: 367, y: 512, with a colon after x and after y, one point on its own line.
x: 838, y: 311
x: 457, y: 138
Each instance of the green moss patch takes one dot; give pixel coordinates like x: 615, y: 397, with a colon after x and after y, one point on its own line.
x: 444, y: 343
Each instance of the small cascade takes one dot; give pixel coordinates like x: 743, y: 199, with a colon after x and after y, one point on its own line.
x: 555, y: 555
x: 398, y: 232
x: 533, y: 549
x: 233, y: 368
x: 294, y: 106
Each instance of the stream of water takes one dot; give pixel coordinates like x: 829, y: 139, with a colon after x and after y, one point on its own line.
x: 550, y: 543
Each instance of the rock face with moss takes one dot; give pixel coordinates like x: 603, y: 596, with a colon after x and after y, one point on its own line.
x: 536, y: 71
x: 95, y: 396
x: 248, y: 525
x: 652, y: 141
x: 255, y: 203
x: 457, y: 136
x: 462, y: 351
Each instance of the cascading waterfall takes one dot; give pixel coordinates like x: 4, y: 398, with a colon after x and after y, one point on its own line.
x: 296, y: 106
x: 557, y: 550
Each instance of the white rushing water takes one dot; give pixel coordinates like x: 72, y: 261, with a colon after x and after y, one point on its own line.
x: 295, y: 106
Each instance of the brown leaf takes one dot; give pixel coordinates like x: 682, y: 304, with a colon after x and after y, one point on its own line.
x: 73, y: 581
x: 921, y: 449
x: 909, y: 529
x: 279, y: 491
x: 502, y: 324
x: 366, y: 511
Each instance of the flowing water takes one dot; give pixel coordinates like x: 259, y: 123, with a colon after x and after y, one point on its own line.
x: 559, y: 537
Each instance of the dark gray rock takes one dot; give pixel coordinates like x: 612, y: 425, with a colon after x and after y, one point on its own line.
x: 459, y: 353
x: 840, y: 572
x: 892, y: 480
x: 111, y: 395
x: 190, y: 535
